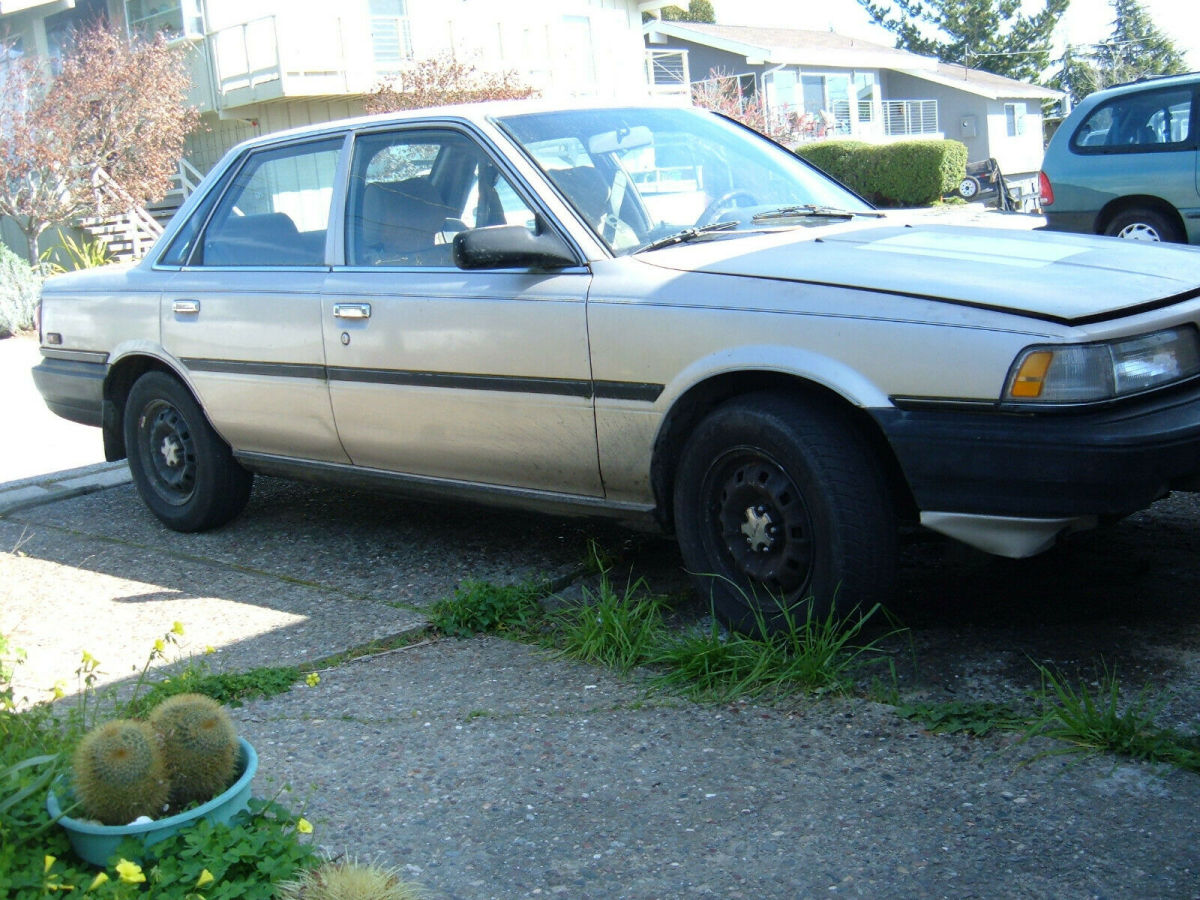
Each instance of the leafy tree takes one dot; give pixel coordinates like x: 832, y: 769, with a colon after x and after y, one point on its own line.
x: 444, y: 81
x: 697, y: 11
x: 1135, y: 49
x: 117, y: 105
x: 994, y: 35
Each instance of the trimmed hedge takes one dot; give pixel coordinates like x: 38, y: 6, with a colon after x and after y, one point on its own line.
x: 906, y: 173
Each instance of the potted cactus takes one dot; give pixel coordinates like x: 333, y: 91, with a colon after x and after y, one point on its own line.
x: 150, y: 779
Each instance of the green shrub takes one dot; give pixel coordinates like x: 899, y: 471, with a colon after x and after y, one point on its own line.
x: 907, y: 173
x: 20, y: 284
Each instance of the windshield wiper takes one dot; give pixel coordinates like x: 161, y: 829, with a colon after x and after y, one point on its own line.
x: 811, y: 210
x: 688, y: 234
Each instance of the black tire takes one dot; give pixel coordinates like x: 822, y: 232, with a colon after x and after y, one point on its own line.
x: 1144, y: 225
x: 780, y: 503
x: 181, y: 467
x: 969, y: 187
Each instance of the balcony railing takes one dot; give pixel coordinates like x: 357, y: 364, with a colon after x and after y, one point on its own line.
x: 667, y: 72
x: 910, y: 117
x: 284, y: 56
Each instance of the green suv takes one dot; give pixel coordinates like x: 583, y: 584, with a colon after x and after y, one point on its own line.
x: 1125, y: 163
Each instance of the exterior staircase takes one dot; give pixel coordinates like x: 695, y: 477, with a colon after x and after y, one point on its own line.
x: 130, y: 230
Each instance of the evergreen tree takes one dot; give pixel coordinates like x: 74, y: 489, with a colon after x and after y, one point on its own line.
x: 1135, y: 49
x: 993, y: 35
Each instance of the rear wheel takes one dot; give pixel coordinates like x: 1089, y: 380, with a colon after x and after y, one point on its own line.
x: 1144, y: 225
x: 181, y: 467
x: 780, y: 503
x: 969, y: 187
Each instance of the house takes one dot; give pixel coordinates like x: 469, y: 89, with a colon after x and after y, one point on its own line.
x: 829, y: 85
x: 263, y: 65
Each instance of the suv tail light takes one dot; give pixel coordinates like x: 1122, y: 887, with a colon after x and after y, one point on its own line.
x: 1045, y: 190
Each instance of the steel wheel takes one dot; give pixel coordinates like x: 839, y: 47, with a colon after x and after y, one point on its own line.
x: 183, y: 470
x: 781, y: 509
x: 758, y: 520
x: 169, y: 454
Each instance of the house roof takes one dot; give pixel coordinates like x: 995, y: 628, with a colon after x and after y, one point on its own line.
x: 985, y: 84
x: 790, y: 46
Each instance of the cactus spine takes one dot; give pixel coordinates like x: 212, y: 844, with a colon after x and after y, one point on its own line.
x: 199, y: 747
x: 119, y: 773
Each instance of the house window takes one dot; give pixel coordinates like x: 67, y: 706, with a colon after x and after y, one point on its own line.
x: 177, y: 19
x: 1014, y: 119
x: 391, y: 36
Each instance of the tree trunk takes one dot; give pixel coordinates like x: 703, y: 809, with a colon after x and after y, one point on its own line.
x: 32, y: 232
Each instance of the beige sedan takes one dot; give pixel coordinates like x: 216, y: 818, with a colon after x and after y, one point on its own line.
x: 648, y: 313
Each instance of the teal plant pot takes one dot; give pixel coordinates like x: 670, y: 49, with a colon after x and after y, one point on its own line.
x: 97, y: 843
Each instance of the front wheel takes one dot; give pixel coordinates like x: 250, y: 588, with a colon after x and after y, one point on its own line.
x: 181, y: 467
x: 780, y: 503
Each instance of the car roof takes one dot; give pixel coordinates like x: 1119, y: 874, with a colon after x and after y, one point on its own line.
x: 1130, y: 87
x: 478, y: 113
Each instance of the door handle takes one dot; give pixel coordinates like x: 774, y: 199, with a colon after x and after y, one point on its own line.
x: 352, y: 310
x: 186, y: 307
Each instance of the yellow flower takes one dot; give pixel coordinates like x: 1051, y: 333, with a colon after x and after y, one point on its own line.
x: 313, y: 679
x: 59, y: 690
x: 304, y: 826
x: 101, y: 878
x: 177, y: 628
x: 88, y: 659
x: 48, y: 862
x: 130, y: 872
x: 159, y: 646
x: 206, y: 877
x: 209, y: 648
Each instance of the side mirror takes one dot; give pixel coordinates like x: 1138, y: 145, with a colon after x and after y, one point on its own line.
x: 510, y: 247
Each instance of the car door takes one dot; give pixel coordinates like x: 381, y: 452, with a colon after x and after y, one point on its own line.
x: 243, y: 314
x: 478, y: 376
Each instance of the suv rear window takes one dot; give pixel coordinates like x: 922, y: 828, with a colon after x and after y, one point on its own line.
x: 1138, y: 123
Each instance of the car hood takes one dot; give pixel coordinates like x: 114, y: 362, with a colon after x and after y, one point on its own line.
x: 1055, y: 277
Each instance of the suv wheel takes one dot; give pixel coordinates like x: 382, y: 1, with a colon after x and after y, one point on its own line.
x: 1144, y: 225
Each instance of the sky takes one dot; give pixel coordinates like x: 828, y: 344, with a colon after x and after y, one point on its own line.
x: 1086, y: 21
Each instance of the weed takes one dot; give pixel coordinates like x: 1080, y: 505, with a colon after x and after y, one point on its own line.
x: 1094, y: 718
x: 977, y: 717
x: 617, y: 630
x: 479, y: 607
x: 812, y: 655
x: 228, y: 688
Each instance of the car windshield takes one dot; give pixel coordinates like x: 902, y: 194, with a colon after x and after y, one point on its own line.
x: 644, y: 177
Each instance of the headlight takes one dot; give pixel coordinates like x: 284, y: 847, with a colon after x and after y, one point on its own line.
x: 1082, y: 373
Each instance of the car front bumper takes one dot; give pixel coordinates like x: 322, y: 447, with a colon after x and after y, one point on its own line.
x: 1044, y: 472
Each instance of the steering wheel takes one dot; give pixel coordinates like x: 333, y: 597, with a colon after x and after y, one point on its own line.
x: 725, y: 201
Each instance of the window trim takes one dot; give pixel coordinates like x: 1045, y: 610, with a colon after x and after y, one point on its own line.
x: 470, y: 132
x: 216, y: 196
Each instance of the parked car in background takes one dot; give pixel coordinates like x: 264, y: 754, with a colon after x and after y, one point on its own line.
x: 648, y: 313
x: 1125, y: 163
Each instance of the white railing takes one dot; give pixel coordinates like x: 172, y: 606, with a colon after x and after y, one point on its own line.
x: 185, y: 180
x: 667, y: 72
x: 910, y: 117
x: 123, y: 224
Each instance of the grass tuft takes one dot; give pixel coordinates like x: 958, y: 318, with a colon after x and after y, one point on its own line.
x: 809, y: 654
x: 1093, y: 718
x: 619, y: 630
